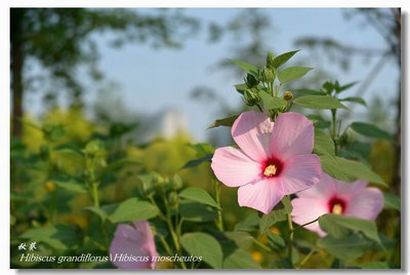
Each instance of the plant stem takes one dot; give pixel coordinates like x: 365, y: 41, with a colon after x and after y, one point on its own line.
x: 307, y: 257
x: 334, y: 124
x: 219, y: 221
x: 290, y: 241
x: 303, y: 225
x: 94, y: 193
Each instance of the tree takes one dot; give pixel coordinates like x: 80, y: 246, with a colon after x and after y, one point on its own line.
x: 60, y: 40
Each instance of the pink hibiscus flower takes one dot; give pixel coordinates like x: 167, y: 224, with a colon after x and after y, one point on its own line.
x: 133, y: 246
x: 336, y: 197
x: 273, y: 159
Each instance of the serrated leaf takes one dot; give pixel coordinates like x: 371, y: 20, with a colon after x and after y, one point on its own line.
x: 227, y: 121
x: 319, y: 102
x: 369, y: 130
x: 249, y: 68
x: 133, y: 210
x: 391, y: 201
x: 198, y: 195
x: 354, y: 99
x: 283, y: 58
x: 333, y: 224
x: 204, y: 245
x: 292, y: 73
x: 323, y: 145
x: 270, y: 102
x: 349, y: 170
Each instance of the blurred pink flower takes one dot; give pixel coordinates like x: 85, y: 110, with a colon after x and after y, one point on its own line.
x: 336, y: 197
x: 133, y: 246
x: 273, y: 159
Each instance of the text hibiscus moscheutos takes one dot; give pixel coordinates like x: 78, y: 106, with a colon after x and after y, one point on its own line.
x: 274, y: 159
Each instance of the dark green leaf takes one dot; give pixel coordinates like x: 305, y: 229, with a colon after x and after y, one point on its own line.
x: 270, y: 219
x: 374, y: 265
x: 240, y: 259
x: 97, y: 211
x: 198, y: 195
x: 198, y: 161
x: 292, y: 73
x: 349, y: 170
x: 354, y: 99
x: 391, y: 201
x: 283, y: 58
x: 324, y: 145
x: 369, y: 130
x: 241, y: 239
x: 249, y: 223
x: 249, y: 68
x: 346, y: 87
x: 196, y: 212
x: 270, y: 102
x: 319, y: 102
x: 303, y: 92
x: 133, y: 210
x: 319, y: 122
x: 349, y: 248
x: 335, y: 224
x: 276, y: 242
x: 227, y: 121
x: 204, y: 245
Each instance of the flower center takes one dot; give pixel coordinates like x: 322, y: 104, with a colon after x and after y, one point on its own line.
x: 272, y: 167
x: 337, y: 206
x: 270, y: 171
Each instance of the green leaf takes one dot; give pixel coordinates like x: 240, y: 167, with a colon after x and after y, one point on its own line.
x: 196, y: 212
x: 324, y: 145
x: 275, y: 241
x: 72, y: 186
x: 249, y: 68
x: 241, y: 239
x: 240, y: 259
x: 318, y: 121
x: 205, y: 246
x: 97, y: 211
x: 59, y: 237
x: 349, y: 248
x: 270, y: 102
x: 227, y: 121
x: 369, y: 130
x: 354, y: 99
x: 197, y: 162
x: 333, y: 224
x: 349, y: 170
x: 240, y: 88
x: 346, y: 87
x: 133, y: 210
x: 283, y: 58
x: 391, y: 201
x: 374, y: 265
x: 199, y: 195
x: 270, y: 219
x: 303, y: 92
x: 319, y: 102
x: 292, y: 73
x: 249, y: 223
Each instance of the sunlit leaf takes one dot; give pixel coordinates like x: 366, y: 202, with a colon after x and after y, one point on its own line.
x: 292, y: 73
x: 227, y: 121
x: 282, y: 58
x: 319, y: 102
x: 204, y: 245
x: 199, y: 195
x: 133, y: 210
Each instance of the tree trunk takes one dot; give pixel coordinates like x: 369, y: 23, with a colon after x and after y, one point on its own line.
x: 17, y: 65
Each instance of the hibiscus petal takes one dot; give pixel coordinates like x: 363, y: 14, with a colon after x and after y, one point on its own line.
x: 308, y: 209
x: 252, y: 131
x: 262, y: 195
x: 300, y: 173
x: 292, y: 135
x: 324, y: 190
x: 133, y: 241
x: 234, y: 168
x: 366, y: 204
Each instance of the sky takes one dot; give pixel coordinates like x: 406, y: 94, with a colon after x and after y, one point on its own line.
x: 152, y: 81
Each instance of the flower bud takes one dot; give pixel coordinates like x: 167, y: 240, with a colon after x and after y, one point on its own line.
x: 267, y: 75
x: 288, y: 96
x: 251, y: 97
x: 251, y: 81
x: 173, y: 200
x: 269, y: 61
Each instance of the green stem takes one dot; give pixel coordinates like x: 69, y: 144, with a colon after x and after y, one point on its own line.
x: 290, y: 241
x: 261, y: 245
x: 334, y: 124
x: 219, y: 221
x: 94, y: 194
x: 165, y: 244
x: 306, y: 258
x: 303, y: 225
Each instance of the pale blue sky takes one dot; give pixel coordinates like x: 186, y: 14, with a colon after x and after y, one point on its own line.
x: 154, y: 80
